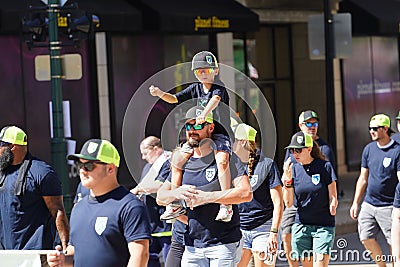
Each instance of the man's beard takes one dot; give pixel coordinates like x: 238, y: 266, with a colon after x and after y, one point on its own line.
x: 193, y: 143
x: 6, y: 159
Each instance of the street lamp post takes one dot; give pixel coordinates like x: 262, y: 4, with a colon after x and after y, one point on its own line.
x: 58, y: 143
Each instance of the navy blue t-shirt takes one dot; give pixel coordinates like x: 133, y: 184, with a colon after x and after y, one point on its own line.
x: 102, y: 227
x: 260, y: 209
x: 396, y: 202
x: 153, y: 209
x: 25, y: 221
x: 383, y: 165
x: 204, y: 230
x: 195, y: 93
x: 396, y: 137
x: 311, y: 195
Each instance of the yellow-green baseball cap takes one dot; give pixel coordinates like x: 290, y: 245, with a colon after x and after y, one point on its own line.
x: 245, y: 132
x: 300, y: 140
x: 97, y: 149
x: 379, y: 120
x: 13, y: 135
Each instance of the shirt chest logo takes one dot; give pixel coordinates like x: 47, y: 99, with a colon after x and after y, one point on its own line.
x: 253, y: 180
x: 210, y: 174
x: 386, y: 162
x: 315, y: 179
x: 101, y: 224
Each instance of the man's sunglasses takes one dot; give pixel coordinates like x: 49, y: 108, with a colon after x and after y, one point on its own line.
x: 374, y: 128
x: 3, y: 144
x: 297, y: 150
x: 310, y: 124
x: 205, y: 71
x: 87, y: 166
x: 195, y: 127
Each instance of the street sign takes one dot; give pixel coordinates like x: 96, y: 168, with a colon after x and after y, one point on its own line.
x: 62, y: 2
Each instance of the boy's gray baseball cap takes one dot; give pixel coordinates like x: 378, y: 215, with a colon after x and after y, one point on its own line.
x: 204, y: 59
x: 97, y: 149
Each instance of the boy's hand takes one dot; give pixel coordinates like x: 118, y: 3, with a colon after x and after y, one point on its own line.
x: 154, y: 91
x: 200, y: 119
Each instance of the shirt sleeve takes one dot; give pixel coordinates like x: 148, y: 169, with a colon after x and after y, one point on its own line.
x: 186, y: 94
x: 364, y: 157
x: 135, y: 222
x: 164, y: 172
x: 331, y: 172
x: 50, y: 185
x: 274, y: 176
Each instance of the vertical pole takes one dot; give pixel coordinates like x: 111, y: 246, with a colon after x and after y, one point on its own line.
x: 58, y: 144
x: 329, y: 79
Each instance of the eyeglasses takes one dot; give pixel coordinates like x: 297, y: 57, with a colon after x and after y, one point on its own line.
x: 3, y: 144
x: 205, y: 71
x: 195, y: 127
x: 310, y: 124
x: 297, y: 150
x: 87, y: 166
x: 374, y: 128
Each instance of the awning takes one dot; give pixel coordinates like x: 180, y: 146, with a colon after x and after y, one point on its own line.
x: 373, y: 17
x: 184, y: 16
x: 115, y: 15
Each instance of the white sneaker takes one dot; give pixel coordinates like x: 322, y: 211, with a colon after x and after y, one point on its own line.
x: 225, y: 213
x: 172, y: 211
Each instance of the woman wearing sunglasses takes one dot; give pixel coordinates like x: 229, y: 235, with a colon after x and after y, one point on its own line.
x: 259, y: 218
x: 310, y: 185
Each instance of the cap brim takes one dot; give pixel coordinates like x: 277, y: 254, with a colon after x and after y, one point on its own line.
x: 80, y: 156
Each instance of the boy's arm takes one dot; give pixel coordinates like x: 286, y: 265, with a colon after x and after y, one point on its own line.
x: 167, y: 97
x: 211, y: 105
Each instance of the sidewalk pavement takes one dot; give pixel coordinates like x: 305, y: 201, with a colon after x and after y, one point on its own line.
x: 344, y: 223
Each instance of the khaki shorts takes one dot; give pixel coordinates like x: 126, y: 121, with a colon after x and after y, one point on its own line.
x: 373, y: 220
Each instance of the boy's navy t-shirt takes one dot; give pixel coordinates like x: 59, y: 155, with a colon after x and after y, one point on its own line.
x: 383, y: 165
x: 311, y: 195
x: 195, y: 93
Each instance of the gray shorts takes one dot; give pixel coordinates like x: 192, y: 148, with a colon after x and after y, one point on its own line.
x: 288, y: 217
x: 372, y: 220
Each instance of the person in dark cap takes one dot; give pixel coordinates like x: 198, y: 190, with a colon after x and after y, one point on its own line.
x: 211, y: 94
x: 379, y: 176
x: 110, y: 226
x: 309, y: 124
x: 310, y: 185
x: 396, y: 136
x: 31, y: 198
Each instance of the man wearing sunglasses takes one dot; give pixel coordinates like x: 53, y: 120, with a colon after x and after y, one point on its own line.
x: 308, y: 123
x: 208, y: 242
x: 110, y: 226
x: 31, y: 201
x: 379, y: 176
x: 210, y: 93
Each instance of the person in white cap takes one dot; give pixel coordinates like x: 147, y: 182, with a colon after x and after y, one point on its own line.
x: 31, y: 200
x: 110, y: 226
x: 379, y: 176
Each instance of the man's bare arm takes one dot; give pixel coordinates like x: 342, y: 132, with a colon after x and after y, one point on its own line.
x: 56, y: 207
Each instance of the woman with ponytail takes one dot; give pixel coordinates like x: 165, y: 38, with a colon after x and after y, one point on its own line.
x: 259, y: 218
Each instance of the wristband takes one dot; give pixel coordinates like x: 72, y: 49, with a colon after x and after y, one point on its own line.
x: 288, y: 185
x: 274, y: 230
